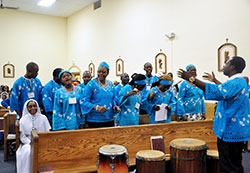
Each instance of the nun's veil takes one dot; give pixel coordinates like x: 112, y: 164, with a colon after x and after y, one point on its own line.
x: 25, y: 109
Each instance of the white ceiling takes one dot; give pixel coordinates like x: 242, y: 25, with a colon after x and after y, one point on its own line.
x: 61, y: 8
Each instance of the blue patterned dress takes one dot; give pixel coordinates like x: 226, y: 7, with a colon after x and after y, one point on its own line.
x: 190, y: 100
x: 48, y: 95
x: 81, y: 87
x: 130, y: 107
x: 66, y: 112
x: 232, y: 117
x: 23, y: 90
x: 118, y: 89
x: 158, y: 99
x: 148, y: 84
x: 96, y: 94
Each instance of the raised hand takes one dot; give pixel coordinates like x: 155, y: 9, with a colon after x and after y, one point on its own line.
x: 183, y: 74
x: 209, y: 77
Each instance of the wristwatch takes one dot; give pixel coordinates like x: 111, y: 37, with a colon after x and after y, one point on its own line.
x: 191, y: 79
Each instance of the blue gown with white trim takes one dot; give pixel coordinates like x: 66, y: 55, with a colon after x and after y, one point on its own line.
x: 20, y: 92
x: 96, y: 94
x: 66, y: 112
x: 190, y: 100
x: 129, y: 114
x: 232, y: 117
x: 158, y: 99
x: 48, y: 95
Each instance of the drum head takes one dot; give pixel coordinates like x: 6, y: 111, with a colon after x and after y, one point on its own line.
x: 213, y: 153
x: 188, y: 143
x: 112, y: 150
x: 150, y: 154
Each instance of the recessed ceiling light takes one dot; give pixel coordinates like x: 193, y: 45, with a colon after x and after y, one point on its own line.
x: 46, y: 3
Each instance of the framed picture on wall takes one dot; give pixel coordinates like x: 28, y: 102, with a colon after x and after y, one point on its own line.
x: 161, y: 63
x: 76, y: 72
x: 225, y: 51
x: 119, y: 67
x: 8, y: 71
x: 92, y: 69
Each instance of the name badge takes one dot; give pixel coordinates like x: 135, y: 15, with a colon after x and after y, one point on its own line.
x: 137, y: 105
x: 148, y: 88
x: 72, y: 100
x: 31, y: 95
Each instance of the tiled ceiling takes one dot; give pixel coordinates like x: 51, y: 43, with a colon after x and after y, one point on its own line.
x: 61, y: 8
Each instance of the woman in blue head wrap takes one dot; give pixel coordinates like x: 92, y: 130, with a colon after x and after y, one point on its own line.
x: 66, y: 110
x: 130, y: 101
x: 161, y: 96
x: 98, y: 101
x: 190, y: 100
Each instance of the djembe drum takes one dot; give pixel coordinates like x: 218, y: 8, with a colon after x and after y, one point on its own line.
x: 213, y: 161
x: 112, y: 159
x: 150, y: 161
x: 188, y: 155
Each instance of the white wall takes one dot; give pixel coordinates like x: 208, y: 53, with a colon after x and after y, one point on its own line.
x: 29, y: 37
x: 135, y: 31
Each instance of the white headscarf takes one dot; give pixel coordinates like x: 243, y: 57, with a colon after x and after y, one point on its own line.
x: 36, y: 122
x: 25, y: 109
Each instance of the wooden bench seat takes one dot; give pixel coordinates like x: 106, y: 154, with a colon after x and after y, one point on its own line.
x: 76, y: 151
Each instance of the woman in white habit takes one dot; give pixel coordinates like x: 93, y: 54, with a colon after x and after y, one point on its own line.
x: 32, y: 119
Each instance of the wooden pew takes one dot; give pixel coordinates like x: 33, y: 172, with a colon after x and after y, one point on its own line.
x: 76, y: 151
x: 9, y: 132
x: 3, y: 111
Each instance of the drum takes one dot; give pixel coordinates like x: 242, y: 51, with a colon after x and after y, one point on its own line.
x: 213, y: 162
x: 112, y: 159
x: 188, y: 155
x: 150, y: 161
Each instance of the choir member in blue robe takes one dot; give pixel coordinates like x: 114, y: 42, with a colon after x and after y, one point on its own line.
x: 131, y: 100
x: 49, y: 93
x: 118, y: 88
x: 86, y: 77
x: 190, y: 100
x: 149, y: 77
x: 98, y: 101
x: 66, y: 112
x: 25, y: 88
x: 161, y: 93
x: 232, y: 120
x: 124, y: 80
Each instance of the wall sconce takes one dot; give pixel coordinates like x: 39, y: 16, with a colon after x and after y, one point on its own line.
x: 170, y: 36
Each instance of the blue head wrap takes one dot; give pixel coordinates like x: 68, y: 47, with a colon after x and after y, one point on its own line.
x: 104, y: 64
x: 140, y: 82
x: 166, y: 82
x: 190, y: 65
x: 60, y: 74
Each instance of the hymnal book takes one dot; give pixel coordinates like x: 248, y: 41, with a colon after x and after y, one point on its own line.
x: 157, y: 143
x: 45, y: 169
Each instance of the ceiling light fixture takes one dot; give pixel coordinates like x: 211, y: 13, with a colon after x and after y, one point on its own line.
x: 46, y: 3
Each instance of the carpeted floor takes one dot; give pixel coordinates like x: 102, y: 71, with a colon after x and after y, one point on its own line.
x: 9, y: 167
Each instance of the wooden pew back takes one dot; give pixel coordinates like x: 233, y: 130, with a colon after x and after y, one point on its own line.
x: 9, y: 132
x: 76, y: 151
x: 3, y: 111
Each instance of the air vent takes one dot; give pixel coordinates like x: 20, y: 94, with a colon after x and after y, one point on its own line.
x: 97, y: 4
